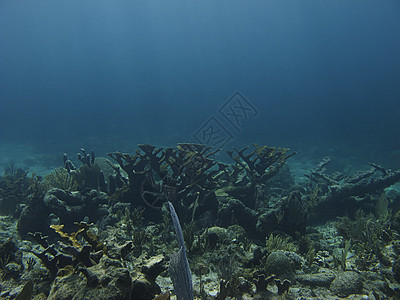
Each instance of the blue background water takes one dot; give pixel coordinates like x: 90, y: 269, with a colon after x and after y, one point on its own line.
x: 110, y: 74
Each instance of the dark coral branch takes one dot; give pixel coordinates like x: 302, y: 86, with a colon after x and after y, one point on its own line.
x: 342, y: 187
x: 363, y: 187
x: 262, y: 163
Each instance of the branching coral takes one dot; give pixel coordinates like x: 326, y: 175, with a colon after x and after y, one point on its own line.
x: 176, y: 174
x: 339, y: 186
x: 262, y: 162
x: 55, y: 258
x: 260, y: 165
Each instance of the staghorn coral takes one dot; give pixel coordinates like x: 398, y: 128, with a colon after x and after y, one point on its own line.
x: 249, y: 174
x: 69, y: 238
x: 166, y: 174
x: 262, y: 162
x: 55, y: 257
x: 185, y: 174
x: 339, y: 186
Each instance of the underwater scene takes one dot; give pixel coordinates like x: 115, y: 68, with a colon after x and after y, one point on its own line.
x: 186, y: 150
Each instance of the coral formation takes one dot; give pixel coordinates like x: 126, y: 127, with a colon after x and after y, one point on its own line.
x: 62, y: 179
x: 103, y: 230
x: 14, y: 186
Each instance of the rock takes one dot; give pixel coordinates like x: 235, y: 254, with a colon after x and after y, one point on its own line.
x: 10, y: 252
x: 346, y: 283
x: 279, y: 264
x: 66, y: 207
x: 12, y: 270
x: 65, y: 287
x: 105, y: 166
x: 215, y: 236
x: 120, y: 251
x: 266, y: 222
x: 206, y: 211
x: 283, y: 179
x: 234, y: 211
x: 318, y: 279
x: 33, y: 218
x: 110, y: 281
x: 296, y: 260
x: 154, y: 267
x: 142, y: 288
x: 69, y: 206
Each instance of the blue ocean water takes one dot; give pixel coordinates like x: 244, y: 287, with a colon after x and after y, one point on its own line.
x: 322, y: 77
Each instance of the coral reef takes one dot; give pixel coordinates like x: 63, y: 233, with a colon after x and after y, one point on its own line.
x: 103, y: 230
